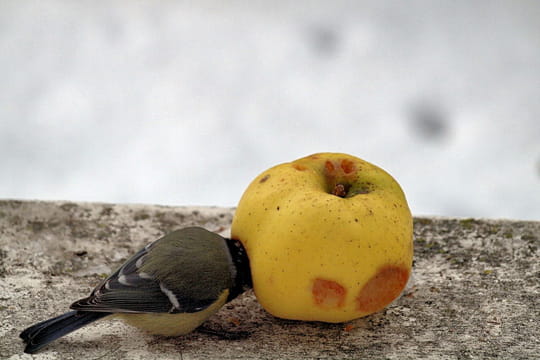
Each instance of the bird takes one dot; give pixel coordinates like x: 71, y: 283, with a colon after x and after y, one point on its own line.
x: 169, y: 287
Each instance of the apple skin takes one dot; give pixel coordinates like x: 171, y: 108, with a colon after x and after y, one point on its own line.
x: 329, y: 238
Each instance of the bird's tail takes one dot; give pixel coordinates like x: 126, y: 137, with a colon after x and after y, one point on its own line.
x: 40, y: 334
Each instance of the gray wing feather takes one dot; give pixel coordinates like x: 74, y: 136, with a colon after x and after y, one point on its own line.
x: 129, y: 290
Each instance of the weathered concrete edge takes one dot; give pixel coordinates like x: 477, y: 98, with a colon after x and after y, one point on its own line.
x: 49, y: 235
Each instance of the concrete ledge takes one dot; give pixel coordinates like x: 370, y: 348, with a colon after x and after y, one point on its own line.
x: 475, y: 292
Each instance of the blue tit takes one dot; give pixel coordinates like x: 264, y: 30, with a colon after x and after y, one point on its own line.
x: 169, y: 288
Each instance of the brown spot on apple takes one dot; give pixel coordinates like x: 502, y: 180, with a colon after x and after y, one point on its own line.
x: 264, y: 178
x: 329, y: 166
x: 347, y: 166
x: 328, y: 294
x: 299, y: 167
x: 383, y: 288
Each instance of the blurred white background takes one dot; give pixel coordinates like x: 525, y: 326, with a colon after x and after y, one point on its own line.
x: 184, y: 103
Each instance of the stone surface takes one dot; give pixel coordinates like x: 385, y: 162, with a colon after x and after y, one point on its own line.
x: 474, y: 294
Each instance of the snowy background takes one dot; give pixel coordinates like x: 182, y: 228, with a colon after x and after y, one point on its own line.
x: 184, y: 103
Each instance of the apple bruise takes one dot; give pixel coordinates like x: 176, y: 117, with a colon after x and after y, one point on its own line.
x: 383, y: 288
x: 328, y: 294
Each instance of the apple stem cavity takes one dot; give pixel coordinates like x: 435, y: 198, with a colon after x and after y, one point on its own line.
x: 340, y: 190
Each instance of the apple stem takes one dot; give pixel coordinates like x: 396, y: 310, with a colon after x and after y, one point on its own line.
x: 339, y: 190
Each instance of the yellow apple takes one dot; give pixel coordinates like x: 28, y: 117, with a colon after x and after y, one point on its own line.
x: 329, y: 238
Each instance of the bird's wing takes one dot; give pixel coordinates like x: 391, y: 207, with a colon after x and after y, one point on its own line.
x: 129, y: 290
